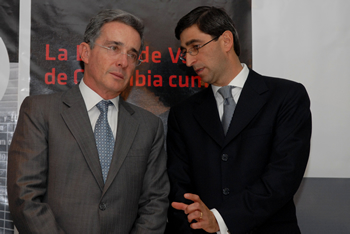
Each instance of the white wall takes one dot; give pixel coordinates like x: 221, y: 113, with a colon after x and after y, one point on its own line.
x: 309, y: 41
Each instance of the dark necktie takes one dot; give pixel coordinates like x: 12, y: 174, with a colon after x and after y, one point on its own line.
x: 104, y: 138
x: 229, y: 106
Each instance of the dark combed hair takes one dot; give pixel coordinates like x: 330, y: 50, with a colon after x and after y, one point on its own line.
x: 210, y: 20
x: 93, y: 29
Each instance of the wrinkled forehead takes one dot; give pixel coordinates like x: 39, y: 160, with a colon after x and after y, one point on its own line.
x: 120, y: 34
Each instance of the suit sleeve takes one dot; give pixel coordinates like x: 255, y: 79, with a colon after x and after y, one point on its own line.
x: 27, y: 173
x: 283, y: 173
x: 153, y: 204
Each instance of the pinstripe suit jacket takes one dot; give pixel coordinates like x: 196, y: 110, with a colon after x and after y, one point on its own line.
x: 55, y: 182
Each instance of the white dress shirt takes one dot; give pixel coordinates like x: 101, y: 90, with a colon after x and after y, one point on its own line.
x: 91, y: 98
x: 238, y: 82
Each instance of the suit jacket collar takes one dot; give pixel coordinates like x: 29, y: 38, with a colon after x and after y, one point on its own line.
x: 76, y: 117
x: 77, y: 120
x: 127, y: 129
x: 206, y: 114
x: 251, y: 100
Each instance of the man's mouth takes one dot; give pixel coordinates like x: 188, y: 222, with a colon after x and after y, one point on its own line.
x: 117, y: 75
x: 199, y: 70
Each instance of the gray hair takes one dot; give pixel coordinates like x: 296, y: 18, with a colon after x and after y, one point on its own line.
x: 93, y: 29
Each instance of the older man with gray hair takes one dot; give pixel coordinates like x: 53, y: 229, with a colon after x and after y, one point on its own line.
x: 85, y: 161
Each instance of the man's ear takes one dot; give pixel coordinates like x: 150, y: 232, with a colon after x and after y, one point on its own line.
x: 84, y: 52
x: 228, y: 40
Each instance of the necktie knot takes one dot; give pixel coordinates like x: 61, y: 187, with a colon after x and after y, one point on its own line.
x: 103, y: 106
x: 225, y: 91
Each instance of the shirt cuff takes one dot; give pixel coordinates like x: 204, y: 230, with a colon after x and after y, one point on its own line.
x: 221, y: 222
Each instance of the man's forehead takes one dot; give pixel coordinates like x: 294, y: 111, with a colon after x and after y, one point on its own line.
x: 192, y: 35
x: 118, y: 33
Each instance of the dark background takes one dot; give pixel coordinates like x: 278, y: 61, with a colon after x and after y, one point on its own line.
x: 61, y: 24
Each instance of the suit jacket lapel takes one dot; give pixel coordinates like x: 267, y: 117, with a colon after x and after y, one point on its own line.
x: 127, y: 129
x: 206, y: 113
x: 251, y: 100
x: 76, y: 117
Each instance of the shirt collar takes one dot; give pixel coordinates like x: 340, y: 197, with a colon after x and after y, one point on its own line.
x: 237, y: 81
x: 91, y: 98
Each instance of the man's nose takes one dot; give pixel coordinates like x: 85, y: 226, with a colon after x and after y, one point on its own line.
x: 190, y: 60
x: 122, y: 60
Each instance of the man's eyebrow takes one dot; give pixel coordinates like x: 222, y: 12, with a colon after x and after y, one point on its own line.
x: 119, y: 43
x: 192, y: 41
x: 189, y: 43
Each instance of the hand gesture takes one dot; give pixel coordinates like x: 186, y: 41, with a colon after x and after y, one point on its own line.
x: 198, y: 211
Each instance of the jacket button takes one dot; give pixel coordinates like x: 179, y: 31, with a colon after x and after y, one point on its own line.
x: 224, y: 157
x: 102, y: 206
x: 226, y: 191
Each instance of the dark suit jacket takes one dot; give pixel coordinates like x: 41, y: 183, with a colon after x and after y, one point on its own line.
x: 251, y: 175
x: 55, y: 182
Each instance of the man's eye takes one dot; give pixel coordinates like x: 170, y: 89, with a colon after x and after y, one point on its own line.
x: 114, y: 48
x: 133, y: 56
x: 195, y: 47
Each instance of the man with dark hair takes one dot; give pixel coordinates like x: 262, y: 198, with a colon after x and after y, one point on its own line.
x: 237, y: 151
x: 85, y: 161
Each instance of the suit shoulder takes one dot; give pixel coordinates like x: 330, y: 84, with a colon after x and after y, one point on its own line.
x: 280, y: 84
x: 42, y: 97
x: 140, y: 112
x: 193, y: 100
x: 277, y: 80
x: 41, y: 100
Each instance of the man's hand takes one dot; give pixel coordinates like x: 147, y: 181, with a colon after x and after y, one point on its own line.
x: 198, y: 211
